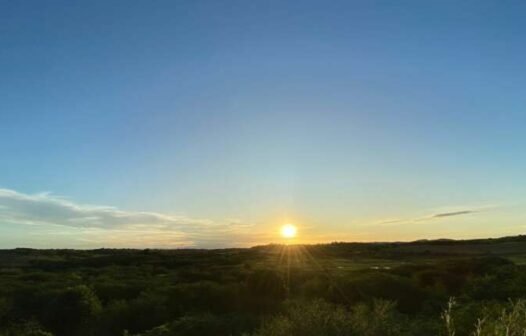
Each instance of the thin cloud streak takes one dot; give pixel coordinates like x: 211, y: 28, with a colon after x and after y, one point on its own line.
x: 433, y: 216
x: 454, y: 213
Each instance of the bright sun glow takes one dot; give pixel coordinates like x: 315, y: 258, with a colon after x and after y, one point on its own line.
x: 288, y: 231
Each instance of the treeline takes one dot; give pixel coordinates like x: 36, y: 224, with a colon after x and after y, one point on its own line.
x: 254, y: 292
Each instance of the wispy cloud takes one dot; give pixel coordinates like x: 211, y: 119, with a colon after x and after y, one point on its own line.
x: 104, y: 225
x: 436, y: 216
x: 454, y: 213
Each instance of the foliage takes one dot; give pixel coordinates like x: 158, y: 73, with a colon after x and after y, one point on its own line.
x: 27, y: 328
x: 508, y: 320
x: 336, y: 289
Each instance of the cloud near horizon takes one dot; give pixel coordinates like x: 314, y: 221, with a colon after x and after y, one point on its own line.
x: 109, y: 226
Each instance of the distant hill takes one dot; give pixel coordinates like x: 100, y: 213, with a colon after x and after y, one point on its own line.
x: 504, y: 246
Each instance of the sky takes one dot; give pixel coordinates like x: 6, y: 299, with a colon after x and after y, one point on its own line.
x: 210, y: 124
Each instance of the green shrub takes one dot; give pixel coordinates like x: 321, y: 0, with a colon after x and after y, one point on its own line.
x: 203, y: 325
x: 27, y: 328
x: 309, y: 319
x: 73, y: 311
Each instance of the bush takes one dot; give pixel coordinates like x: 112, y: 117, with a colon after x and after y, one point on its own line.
x: 204, y: 296
x: 203, y: 325
x: 508, y: 320
x: 266, y: 289
x: 27, y: 328
x: 145, y: 312
x: 309, y: 319
x: 4, y: 310
x: 321, y: 318
x: 73, y: 311
x: 364, y: 288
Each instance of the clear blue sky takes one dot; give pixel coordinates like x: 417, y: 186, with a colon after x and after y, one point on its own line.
x: 355, y: 120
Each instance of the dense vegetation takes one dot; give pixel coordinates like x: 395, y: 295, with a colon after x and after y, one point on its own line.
x: 422, y: 288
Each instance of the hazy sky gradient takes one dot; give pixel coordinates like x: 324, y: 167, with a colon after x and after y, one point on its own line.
x: 355, y: 120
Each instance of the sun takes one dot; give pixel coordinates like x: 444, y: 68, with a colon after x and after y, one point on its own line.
x: 288, y: 231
